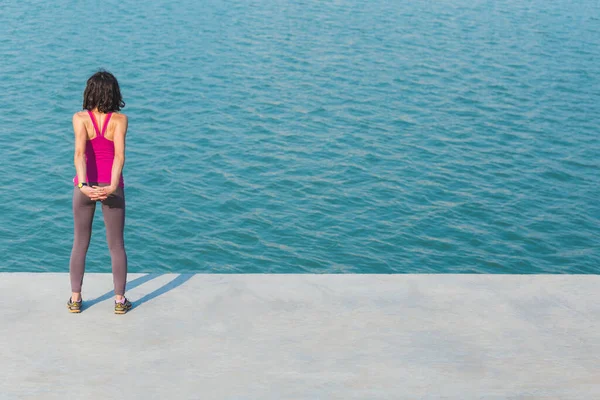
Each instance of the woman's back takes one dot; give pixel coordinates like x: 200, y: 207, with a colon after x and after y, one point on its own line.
x: 100, y: 146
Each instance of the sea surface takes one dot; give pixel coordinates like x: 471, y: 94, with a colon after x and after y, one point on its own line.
x: 314, y: 136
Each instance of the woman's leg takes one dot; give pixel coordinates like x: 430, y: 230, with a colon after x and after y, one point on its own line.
x: 83, y: 216
x: 113, y: 210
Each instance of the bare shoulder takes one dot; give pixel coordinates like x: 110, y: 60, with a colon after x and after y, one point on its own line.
x: 119, y: 117
x: 120, y: 120
x: 120, y: 124
x: 79, y: 115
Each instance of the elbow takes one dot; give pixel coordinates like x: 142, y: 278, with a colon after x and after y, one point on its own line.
x: 79, y: 156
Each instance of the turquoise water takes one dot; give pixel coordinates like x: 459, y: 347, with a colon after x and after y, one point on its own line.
x: 313, y: 136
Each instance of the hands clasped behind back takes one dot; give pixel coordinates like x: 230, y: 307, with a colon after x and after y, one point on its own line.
x: 96, y: 193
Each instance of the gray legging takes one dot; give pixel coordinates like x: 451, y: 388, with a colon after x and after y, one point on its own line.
x: 113, y: 210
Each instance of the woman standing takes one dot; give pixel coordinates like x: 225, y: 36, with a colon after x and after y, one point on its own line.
x: 99, y: 158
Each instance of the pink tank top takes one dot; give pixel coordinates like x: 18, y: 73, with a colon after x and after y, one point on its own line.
x: 99, y: 156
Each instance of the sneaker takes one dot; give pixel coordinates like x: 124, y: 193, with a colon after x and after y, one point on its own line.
x: 122, y: 308
x: 74, y: 306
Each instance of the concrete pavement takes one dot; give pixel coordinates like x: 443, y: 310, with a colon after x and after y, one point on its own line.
x: 302, y: 336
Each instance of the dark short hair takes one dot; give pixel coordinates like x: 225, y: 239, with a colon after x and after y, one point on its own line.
x: 103, y: 91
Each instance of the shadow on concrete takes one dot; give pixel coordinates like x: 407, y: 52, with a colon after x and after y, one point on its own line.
x: 178, y: 281
x: 130, y: 285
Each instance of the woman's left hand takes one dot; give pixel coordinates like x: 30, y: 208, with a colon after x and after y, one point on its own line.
x: 105, y: 191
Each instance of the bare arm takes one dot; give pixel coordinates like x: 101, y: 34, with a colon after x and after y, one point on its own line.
x: 80, y: 140
x: 119, y: 160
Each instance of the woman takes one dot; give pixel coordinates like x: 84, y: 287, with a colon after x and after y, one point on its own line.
x: 99, y: 158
